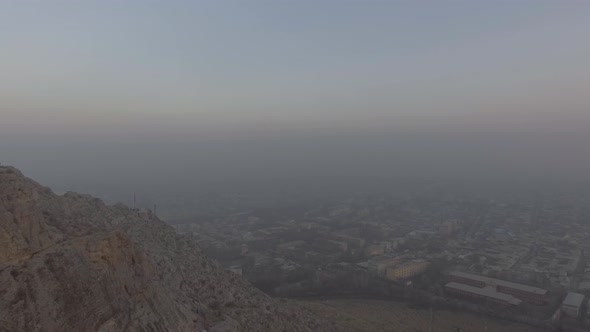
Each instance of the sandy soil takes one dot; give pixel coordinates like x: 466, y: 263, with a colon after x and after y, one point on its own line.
x: 376, y: 315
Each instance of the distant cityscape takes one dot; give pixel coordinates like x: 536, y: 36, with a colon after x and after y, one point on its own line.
x: 520, y: 259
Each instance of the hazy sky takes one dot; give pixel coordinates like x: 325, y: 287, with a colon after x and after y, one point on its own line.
x: 88, y: 88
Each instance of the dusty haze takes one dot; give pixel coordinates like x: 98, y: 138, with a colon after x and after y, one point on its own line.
x: 124, y: 94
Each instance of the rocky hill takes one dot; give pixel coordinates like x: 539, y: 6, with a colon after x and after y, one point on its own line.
x: 72, y: 263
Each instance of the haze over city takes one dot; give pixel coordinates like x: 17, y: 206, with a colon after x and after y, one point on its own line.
x: 100, y: 90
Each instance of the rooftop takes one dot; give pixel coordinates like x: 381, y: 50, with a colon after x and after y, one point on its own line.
x: 485, y: 291
x: 573, y: 299
x: 383, y: 259
x: 503, y: 283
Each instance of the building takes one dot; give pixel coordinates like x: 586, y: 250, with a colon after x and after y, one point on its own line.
x: 524, y: 292
x: 145, y: 213
x: 447, y: 228
x: 337, y: 245
x: 486, y: 293
x: 291, y: 245
x: 353, y: 242
x: 572, y: 304
x: 375, y: 250
x: 407, y: 269
x: 378, y: 265
x: 235, y: 267
x: 244, y: 249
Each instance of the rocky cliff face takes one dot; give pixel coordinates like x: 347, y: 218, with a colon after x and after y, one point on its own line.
x: 72, y: 263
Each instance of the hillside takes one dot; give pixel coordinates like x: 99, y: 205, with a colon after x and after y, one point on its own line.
x: 72, y: 263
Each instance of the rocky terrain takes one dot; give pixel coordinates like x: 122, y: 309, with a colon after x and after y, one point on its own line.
x: 72, y: 263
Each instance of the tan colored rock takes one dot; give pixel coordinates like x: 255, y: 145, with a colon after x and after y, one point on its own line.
x: 72, y: 263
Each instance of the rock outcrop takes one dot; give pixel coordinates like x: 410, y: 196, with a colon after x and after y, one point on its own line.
x: 72, y: 263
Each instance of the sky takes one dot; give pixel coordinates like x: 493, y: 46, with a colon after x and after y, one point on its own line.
x: 91, y: 90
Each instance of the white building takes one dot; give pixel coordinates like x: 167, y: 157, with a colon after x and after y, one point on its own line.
x: 572, y: 304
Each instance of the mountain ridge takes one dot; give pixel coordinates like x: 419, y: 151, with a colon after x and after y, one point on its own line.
x: 72, y: 263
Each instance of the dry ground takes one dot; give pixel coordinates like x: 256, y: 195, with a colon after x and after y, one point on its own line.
x: 375, y: 315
